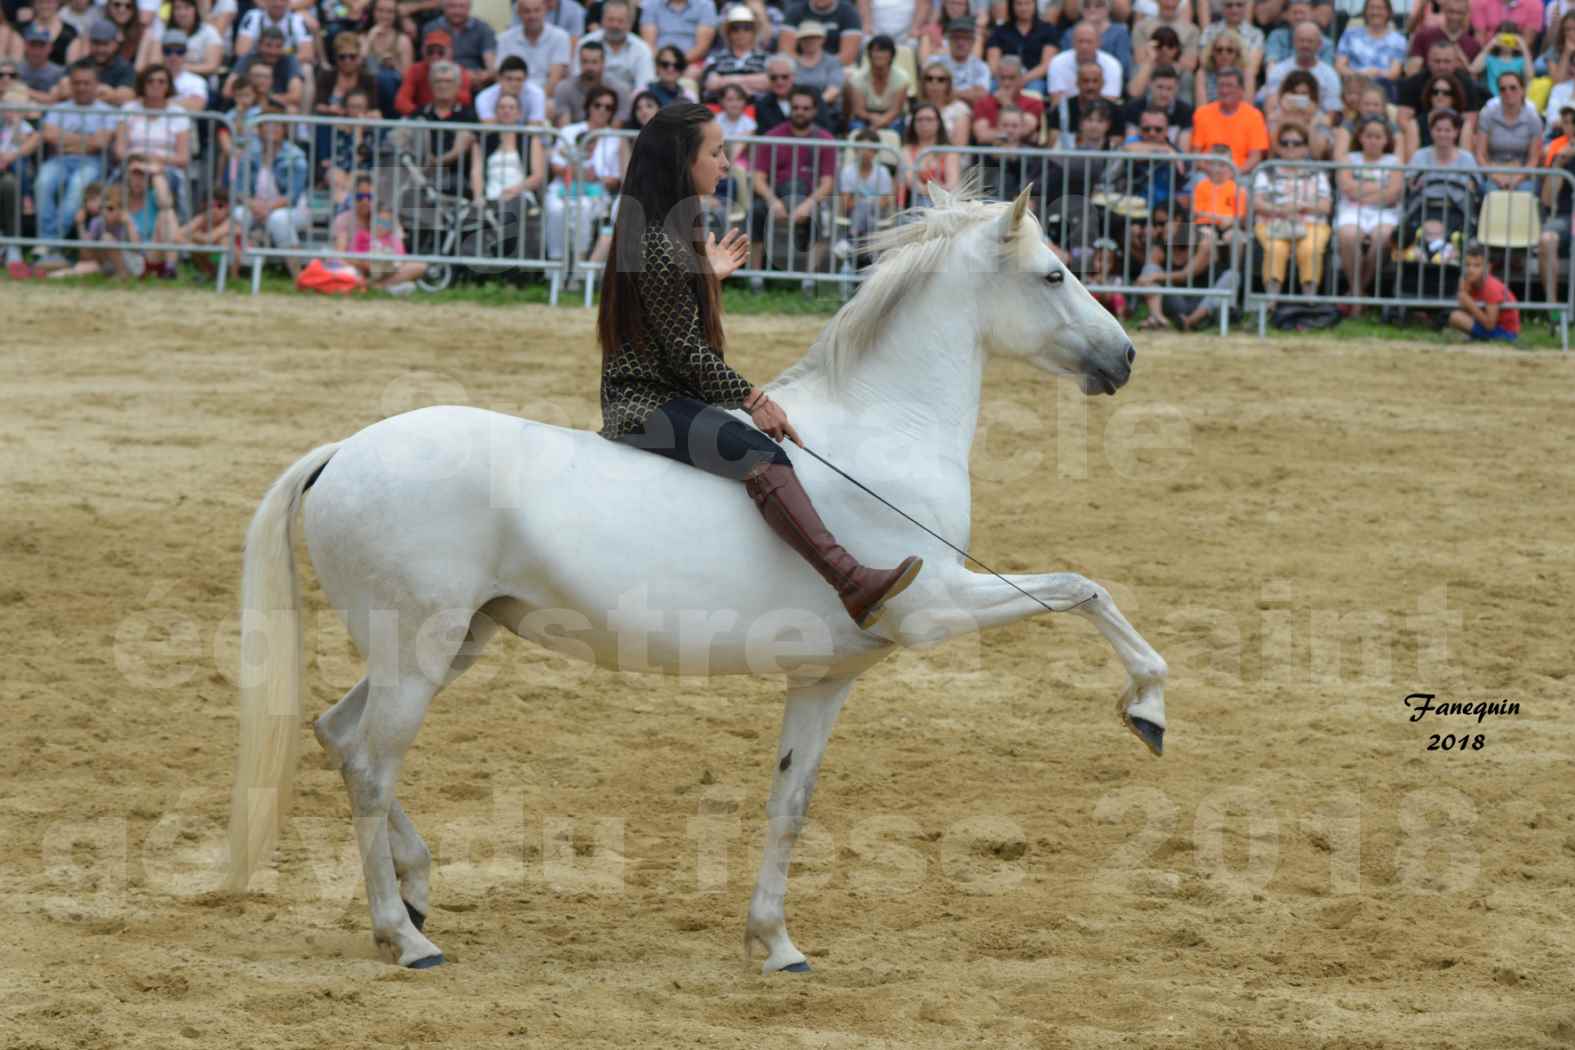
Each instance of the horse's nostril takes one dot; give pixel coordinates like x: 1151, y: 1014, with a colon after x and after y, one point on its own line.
x: 1131, y: 354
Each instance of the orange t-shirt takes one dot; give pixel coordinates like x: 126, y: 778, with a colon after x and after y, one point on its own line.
x: 1243, y: 131
x: 1217, y: 203
x: 1551, y: 154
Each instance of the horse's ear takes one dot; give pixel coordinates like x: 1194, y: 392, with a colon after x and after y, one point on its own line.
x: 940, y: 197
x: 1014, y: 220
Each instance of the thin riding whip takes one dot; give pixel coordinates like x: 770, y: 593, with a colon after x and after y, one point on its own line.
x: 943, y: 539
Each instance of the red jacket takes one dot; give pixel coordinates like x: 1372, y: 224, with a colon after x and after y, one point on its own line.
x: 415, y: 93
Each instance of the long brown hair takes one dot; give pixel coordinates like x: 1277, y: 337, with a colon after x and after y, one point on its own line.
x: 658, y: 192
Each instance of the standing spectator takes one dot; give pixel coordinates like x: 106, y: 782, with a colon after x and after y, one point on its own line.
x: 1163, y: 52
x: 1307, y: 40
x: 472, y: 42
x: 791, y: 181
x: 1163, y: 94
x: 626, y: 58
x: 204, y: 46
x: 1066, y: 115
x: 1216, y: 199
x: 841, y: 27
x: 817, y: 67
x: 740, y: 61
x: 936, y: 89
x: 19, y: 142
x: 926, y: 131
x: 513, y: 83
x: 1292, y: 206
x: 1115, y: 39
x: 295, y: 34
x: 543, y: 48
x: 1033, y: 41
x: 689, y: 25
x: 1455, y: 29
x: 970, y: 75
x: 591, y: 184
x: 877, y: 94
x: 416, y: 93
x: 1066, y: 68
x: 386, y: 52
x: 670, y: 65
x: 78, y: 142
x: 448, y: 148
x: 1232, y: 121
x: 188, y: 90
x: 574, y: 92
x: 1235, y: 20
x: 1224, y: 50
x: 37, y: 73
x: 116, y: 76
x: 1009, y: 93
x: 1509, y: 134
x: 1369, y: 206
x: 1171, y: 17
x: 1374, y: 48
x: 288, y: 83
x: 1280, y: 43
x: 1487, y: 308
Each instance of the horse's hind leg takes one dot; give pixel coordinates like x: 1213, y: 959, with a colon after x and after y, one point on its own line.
x: 412, y: 864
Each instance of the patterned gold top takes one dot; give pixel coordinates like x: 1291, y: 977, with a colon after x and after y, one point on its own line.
x: 677, y: 362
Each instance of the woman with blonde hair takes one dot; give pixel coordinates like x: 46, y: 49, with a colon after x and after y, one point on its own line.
x: 938, y: 89
x: 1226, y: 51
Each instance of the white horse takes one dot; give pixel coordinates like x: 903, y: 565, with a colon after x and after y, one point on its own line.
x: 430, y: 529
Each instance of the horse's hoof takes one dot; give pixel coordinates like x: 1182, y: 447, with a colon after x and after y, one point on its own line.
x: 798, y: 967
x: 419, y: 919
x: 1152, y: 735
x: 428, y: 963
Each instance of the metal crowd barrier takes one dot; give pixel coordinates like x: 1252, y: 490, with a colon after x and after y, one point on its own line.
x: 56, y: 180
x: 1416, y: 269
x: 1098, y: 207
x: 419, y: 180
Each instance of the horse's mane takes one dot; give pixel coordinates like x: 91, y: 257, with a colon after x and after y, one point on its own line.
x: 906, y: 251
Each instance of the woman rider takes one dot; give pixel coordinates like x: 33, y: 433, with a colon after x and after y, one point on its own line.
x: 664, y: 383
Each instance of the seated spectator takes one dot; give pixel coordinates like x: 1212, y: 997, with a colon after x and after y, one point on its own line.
x: 986, y: 111
x: 36, y: 72
x: 19, y: 142
x: 1307, y: 39
x: 1066, y: 68
x: 415, y: 93
x: 1292, y: 205
x: 136, y: 42
x: 1558, y: 41
x: 1297, y: 102
x: 626, y: 59
x: 843, y: 29
x: 1033, y: 42
x: 817, y: 67
x: 204, y: 45
x: 1156, y: 177
x: 591, y: 184
x: 211, y: 230
x: 372, y: 241
x: 513, y: 82
x: 1454, y: 29
x: 877, y: 94
x: 734, y: 122
x: 1006, y: 172
x: 644, y: 108
x: 1374, y: 48
x: 352, y: 148
x: 447, y: 148
x: 1507, y: 52
x: 1232, y: 121
x: 688, y: 25
x: 76, y: 144
x: 512, y: 166
x: 116, y: 77
x: 791, y: 181
x: 115, y: 225
x: 348, y: 74
x: 925, y: 131
x: 1442, y: 203
x: 472, y: 43
x: 1216, y: 200
x: 1369, y: 206
x: 1443, y: 60
x: 543, y: 48
x: 935, y: 85
x: 295, y: 33
x: 569, y: 16
x: 1487, y: 308
x: 1373, y: 102
x: 288, y: 85
x: 1179, y: 255
x: 1279, y: 45
x: 1442, y: 93
x: 1104, y: 267
x: 189, y: 91
x: 739, y: 61
x: 1163, y: 94
x: 1489, y: 16
x: 1509, y: 134
x: 79, y: 14
x: 272, y: 188
x: 156, y: 129
x: 970, y: 76
x: 867, y: 189
x: 1235, y: 20
x: 1115, y: 39
x: 1551, y: 93
x: 1559, y: 206
x: 952, y: 16
x: 773, y: 105
x: 231, y: 146
x: 1225, y: 50
x: 1163, y: 52
x: 1085, y: 176
x: 1066, y: 116
x: 59, y: 34
x: 1169, y: 16
x: 670, y: 63
x: 386, y: 52
x: 570, y: 101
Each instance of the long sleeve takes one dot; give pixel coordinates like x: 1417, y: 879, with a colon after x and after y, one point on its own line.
x: 675, y: 330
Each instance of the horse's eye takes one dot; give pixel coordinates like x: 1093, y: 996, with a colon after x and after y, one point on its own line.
x: 1055, y: 277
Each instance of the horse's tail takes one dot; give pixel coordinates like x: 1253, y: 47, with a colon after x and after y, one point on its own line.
x: 270, y: 674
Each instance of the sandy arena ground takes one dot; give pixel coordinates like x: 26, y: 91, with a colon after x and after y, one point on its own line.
x: 994, y: 861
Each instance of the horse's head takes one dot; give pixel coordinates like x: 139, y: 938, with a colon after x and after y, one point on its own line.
x: 1035, y: 307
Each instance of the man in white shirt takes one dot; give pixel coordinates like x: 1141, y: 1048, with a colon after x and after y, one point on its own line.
x: 276, y: 14
x: 1062, y: 76
x: 626, y: 55
x: 545, y: 48
x: 512, y: 81
x: 187, y: 89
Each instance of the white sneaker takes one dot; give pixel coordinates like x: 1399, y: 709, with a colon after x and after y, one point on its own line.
x: 403, y: 288
x: 807, y: 286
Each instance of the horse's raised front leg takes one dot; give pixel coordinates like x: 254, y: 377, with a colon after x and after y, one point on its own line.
x: 975, y: 602
x: 812, y: 710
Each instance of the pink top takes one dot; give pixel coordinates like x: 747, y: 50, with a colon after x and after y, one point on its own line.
x: 388, y: 244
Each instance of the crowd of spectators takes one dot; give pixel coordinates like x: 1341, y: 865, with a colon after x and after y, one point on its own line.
x: 1443, y: 85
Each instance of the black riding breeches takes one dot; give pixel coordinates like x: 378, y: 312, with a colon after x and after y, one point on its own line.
x: 704, y: 436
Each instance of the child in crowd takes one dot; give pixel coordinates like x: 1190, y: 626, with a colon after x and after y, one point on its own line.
x: 1105, y: 268
x: 1216, y: 199
x: 211, y: 230
x: 1487, y: 308
x: 112, y: 225
x: 867, y: 191
x: 735, y: 122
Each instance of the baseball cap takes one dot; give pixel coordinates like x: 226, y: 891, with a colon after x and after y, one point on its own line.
x: 738, y: 13
x: 103, y: 31
x: 174, y: 38
x: 960, y: 25
x: 35, y: 34
x: 810, y: 27
x: 437, y: 36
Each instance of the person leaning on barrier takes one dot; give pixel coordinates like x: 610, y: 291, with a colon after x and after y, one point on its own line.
x: 1292, y: 205
x: 590, y: 175
x: 512, y: 165
x: 1370, y: 193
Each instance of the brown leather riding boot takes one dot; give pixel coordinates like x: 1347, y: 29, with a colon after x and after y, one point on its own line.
x: 787, y: 509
